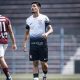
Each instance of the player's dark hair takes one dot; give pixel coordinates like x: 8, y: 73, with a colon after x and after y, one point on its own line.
x: 37, y: 3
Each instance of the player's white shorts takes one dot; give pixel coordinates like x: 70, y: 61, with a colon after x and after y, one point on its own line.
x: 3, y: 48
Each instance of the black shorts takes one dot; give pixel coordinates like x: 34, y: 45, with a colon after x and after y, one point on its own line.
x: 38, y: 50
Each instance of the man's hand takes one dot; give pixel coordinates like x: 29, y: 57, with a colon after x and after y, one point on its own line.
x: 45, y: 35
x: 14, y: 46
x: 24, y: 47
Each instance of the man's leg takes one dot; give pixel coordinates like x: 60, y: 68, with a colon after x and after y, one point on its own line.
x: 35, y: 70
x: 5, y: 68
x: 44, y: 69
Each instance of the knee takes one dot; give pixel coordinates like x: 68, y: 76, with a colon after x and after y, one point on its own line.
x: 35, y: 63
x: 3, y: 63
x: 44, y: 65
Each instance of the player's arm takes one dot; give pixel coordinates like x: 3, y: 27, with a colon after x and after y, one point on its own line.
x: 26, y: 36
x: 12, y: 36
x: 50, y: 30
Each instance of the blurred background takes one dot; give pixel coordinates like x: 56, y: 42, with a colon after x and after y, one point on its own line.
x: 63, y: 43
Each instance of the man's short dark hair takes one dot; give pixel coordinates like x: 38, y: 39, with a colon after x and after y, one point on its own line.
x: 37, y: 3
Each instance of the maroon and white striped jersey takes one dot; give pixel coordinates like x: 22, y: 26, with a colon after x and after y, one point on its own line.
x: 4, y: 23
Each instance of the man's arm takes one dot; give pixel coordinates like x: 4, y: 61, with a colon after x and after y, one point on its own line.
x: 50, y: 30
x: 12, y: 36
x: 26, y: 36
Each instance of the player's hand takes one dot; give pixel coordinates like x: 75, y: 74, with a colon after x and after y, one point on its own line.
x: 45, y: 35
x: 14, y: 46
x: 24, y: 47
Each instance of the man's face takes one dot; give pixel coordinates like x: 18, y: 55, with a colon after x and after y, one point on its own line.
x: 34, y: 8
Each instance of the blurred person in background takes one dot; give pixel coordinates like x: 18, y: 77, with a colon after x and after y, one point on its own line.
x: 5, y: 29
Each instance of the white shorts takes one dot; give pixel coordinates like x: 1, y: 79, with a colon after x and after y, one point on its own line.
x: 3, y: 48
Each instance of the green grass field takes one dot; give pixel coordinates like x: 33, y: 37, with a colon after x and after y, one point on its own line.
x: 49, y: 77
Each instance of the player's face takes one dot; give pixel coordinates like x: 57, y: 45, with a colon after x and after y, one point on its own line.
x: 34, y: 8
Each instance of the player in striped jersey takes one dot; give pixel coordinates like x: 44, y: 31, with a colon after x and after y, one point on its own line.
x: 38, y: 27
x: 5, y: 29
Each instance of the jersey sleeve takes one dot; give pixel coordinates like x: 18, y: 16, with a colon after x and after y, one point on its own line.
x: 8, y: 22
x: 47, y: 21
x: 27, y: 26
